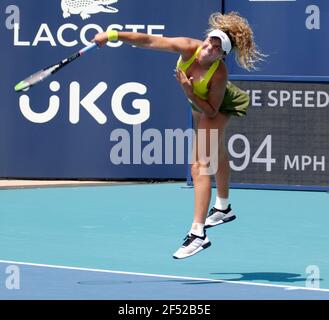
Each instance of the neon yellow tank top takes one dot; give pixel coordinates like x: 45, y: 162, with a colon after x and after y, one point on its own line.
x: 200, y: 88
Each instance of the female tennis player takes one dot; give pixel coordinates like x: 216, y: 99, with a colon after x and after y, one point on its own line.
x: 203, y: 76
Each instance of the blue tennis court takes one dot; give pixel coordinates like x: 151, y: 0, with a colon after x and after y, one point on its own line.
x: 116, y: 242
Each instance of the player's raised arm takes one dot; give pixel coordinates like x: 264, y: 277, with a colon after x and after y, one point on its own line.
x: 181, y: 45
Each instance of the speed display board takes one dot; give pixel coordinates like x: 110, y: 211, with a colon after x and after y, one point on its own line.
x: 283, y: 140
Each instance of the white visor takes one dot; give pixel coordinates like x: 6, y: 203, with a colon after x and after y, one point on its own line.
x: 226, y: 43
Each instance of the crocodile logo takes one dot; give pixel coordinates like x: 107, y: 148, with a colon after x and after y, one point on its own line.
x: 87, y: 7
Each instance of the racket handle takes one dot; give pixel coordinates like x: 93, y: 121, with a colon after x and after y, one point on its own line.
x: 86, y: 49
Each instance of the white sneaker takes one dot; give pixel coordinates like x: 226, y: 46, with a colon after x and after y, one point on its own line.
x: 216, y: 217
x: 192, y: 245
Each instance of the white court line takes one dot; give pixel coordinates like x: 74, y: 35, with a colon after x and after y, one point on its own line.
x: 161, y: 276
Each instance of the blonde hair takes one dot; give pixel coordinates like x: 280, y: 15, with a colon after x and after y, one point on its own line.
x: 241, y: 35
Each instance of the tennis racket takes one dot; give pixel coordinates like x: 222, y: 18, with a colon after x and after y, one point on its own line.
x: 46, y: 72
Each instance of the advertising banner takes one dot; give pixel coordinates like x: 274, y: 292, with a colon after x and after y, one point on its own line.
x: 105, y: 115
x: 292, y: 33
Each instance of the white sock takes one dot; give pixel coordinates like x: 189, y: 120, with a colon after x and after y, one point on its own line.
x: 197, y: 229
x: 221, y: 203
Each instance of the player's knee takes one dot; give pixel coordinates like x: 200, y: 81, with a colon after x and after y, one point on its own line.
x: 196, y: 169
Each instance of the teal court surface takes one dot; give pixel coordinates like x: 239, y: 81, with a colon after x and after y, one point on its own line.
x: 116, y: 243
